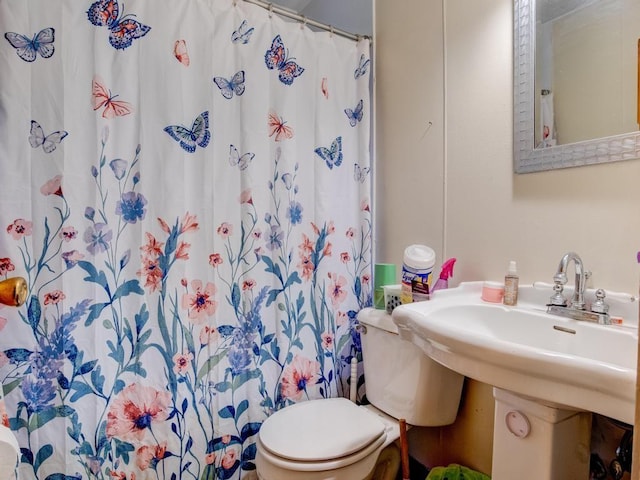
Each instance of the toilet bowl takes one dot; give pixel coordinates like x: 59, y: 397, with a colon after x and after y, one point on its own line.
x: 322, y: 439
x: 335, y: 439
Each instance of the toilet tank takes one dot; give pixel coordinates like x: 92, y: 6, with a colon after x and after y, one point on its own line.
x: 401, y: 380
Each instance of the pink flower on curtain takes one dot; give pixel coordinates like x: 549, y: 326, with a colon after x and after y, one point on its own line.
x: 297, y: 375
x: 306, y: 267
x: 134, y: 411
x: 68, y: 233
x: 224, y: 230
x: 351, y: 233
x: 6, y: 266
x: 182, y: 252
x: 345, y: 257
x: 53, y: 186
x: 121, y: 475
x: 164, y: 226
x: 307, y: 246
x: 305, y: 250
x: 229, y: 459
x: 215, y: 259
x: 327, y: 340
x: 245, y: 197
x: 248, y: 284
x: 181, y: 362
x: 152, y: 247
x: 210, y: 458
x: 200, y: 303
x: 54, y: 297
x: 151, y: 272
x: 20, y: 228
x: 189, y: 223
x: 337, y: 290
x: 208, y: 335
x: 150, y: 455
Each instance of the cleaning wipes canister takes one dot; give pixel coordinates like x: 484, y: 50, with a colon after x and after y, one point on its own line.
x: 417, y: 267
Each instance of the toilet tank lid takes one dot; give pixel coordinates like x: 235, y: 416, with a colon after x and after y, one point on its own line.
x: 374, y: 317
x: 319, y: 430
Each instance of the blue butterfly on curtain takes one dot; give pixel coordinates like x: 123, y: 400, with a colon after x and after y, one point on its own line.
x: 49, y: 142
x: 198, y: 134
x: 360, y: 173
x: 28, y: 48
x: 277, y: 57
x: 228, y: 87
x: 354, y: 115
x: 241, y: 161
x: 361, y: 69
x: 332, y: 156
x: 242, y: 34
x: 123, y: 30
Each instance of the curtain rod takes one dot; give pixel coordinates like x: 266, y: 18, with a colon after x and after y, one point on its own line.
x: 304, y: 20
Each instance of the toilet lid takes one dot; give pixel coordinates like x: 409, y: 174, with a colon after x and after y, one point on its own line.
x: 319, y: 430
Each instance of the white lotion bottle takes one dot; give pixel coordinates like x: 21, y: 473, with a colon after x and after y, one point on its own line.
x: 511, y: 281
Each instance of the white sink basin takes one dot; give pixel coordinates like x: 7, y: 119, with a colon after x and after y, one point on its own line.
x: 557, y: 361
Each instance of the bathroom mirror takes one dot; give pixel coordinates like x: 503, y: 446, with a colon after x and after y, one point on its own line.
x: 588, y: 132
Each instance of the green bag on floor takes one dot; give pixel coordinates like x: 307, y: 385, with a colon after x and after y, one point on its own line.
x: 455, y: 472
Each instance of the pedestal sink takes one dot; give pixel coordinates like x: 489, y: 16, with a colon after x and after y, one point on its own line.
x: 563, y: 366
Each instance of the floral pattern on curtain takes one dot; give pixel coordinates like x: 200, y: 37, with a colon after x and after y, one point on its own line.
x: 185, y: 186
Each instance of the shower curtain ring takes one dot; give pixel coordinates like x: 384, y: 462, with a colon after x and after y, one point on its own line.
x: 271, y: 10
x: 331, y: 30
x: 303, y: 23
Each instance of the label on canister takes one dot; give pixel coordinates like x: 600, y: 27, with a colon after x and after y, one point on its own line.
x: 417, y: 265
x: 411, y: 276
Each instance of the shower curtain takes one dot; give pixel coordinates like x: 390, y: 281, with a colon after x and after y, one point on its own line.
x: 185, y: 187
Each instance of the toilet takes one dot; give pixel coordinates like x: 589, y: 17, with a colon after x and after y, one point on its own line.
x: 335, y: 439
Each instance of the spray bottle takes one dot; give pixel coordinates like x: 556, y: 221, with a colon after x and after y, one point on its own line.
x: 445, y: 273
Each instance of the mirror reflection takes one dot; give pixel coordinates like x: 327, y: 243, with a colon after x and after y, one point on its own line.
x: 586, y: 70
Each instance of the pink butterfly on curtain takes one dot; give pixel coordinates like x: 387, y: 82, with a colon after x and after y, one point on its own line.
x: 123, y: 29
x: 181, y: 53
x: 278, y: 128
x: 102, y: 97
x: 277, y: 57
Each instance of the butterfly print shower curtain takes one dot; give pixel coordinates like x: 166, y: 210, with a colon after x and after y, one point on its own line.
x: 185, y: 186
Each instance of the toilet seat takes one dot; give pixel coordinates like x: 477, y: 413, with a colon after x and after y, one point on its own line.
x: 322, y: 466
x: 336, y: 432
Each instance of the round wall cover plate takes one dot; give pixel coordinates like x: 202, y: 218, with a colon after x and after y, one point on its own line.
x: 517, y: 423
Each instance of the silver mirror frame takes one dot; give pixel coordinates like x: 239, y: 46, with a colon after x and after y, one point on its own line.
x: 527, y: 158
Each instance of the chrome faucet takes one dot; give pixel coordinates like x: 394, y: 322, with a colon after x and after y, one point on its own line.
x: 577, y: 309
x: 560, y: 277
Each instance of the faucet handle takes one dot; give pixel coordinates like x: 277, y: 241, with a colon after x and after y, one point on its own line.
x: 600, y: 306
x: 558, y: 298
x: 560, y: 278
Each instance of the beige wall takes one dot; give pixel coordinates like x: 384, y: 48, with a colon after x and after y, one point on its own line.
x: 454, y: 188
x: 595, y: 70
x: 449, y: 62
